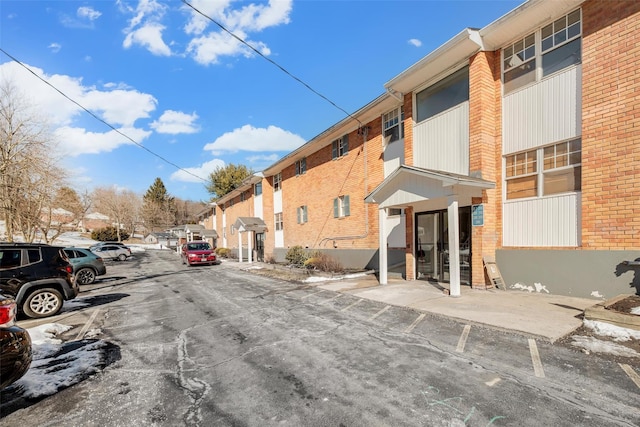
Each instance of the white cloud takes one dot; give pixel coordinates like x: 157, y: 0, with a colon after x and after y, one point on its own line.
x: 55, y: 47
x: 148, y: 36
x: 76, y: 141
x: 202, y: 171
x: 415, y: 42
x: 271, y: 158
x: 145, y: 28
x: 88, y: 13
x: 248, y: 138
x: 175, y: 122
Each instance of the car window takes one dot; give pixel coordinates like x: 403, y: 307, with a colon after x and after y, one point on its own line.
x: 34, y: 255
x: 9, y: 258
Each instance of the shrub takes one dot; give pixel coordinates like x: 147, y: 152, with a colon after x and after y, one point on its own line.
x: 323, y: 262
x: 296, y: 255
x: 270, y: 259
x: 222, y: 252
x: 109, y: 234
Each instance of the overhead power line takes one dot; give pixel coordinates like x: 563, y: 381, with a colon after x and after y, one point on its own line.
x: 92, y: 114
x: 223, y: 28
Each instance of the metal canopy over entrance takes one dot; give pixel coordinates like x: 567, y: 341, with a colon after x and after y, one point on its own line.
x: 416, y: 188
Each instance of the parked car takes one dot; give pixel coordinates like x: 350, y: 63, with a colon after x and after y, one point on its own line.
x: 198, y: 252
x: 97, y: 245
x: 86, y: 265
x: 110, y: 251
x: 15, y: 344
x: 39, y: 277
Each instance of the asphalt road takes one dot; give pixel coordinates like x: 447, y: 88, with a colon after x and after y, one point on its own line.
x: 218, y: 346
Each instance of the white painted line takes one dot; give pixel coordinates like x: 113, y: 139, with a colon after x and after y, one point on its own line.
x: 380, y: 312
x: 463, y: 338
x: 414, y: 324
x: 535, y: 358
x: 631, y: 373
x: 352, y: 305
x: 86, y: 326
x: 310, y: 295
x: 332, y: 299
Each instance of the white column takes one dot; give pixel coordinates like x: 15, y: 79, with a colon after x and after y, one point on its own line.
x: 454, y: 247
x: 239, y: 245
x: 250, y: 246
x: 382, y: 252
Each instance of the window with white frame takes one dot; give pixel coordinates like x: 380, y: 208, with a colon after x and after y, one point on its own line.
x: 341, y: 207
x: 443, y: 95
x: 257, y: 189
x: 277, y: 182
x: 559, y: 172
x: 302, y: 214
x: 243, y: 196
x: 340, y: 147
x: 392, y: 125
x: 278, y: 221
x: 301, y: 166
x: 555, y: 47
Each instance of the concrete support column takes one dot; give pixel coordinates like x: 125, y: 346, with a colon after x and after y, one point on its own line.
x: 382, y: 252
x: 239, y: 245
x: 454, y: 246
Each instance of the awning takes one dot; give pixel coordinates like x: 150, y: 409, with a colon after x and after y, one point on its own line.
x: 209, y: 233
x: 250, y: 223
x: 409, y: 184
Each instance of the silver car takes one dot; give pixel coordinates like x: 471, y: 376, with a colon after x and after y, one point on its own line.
x: 115, y: 252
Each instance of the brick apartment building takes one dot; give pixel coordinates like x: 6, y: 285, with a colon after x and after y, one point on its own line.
x: 519, y: 141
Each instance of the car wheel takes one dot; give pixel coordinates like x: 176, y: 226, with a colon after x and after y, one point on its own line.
x: 85, y: 276
x: 43, y: 303
x: 122, y: 257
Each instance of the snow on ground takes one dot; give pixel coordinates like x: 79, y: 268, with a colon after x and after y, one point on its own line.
x: 616, y: 333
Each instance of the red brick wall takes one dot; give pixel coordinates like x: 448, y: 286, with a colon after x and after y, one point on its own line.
x: 610, y: 125
x: 485, y: 123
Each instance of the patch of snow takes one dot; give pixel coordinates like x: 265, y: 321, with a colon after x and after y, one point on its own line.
x: 609, y: 330
x: 597, y: 294
x: 635, y: 310
x: 540, y: 287
x: 522, y: 287
x: 315, y: 279
x: 595, y: 345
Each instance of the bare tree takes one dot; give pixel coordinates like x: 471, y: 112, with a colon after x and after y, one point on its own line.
x: 29, y: 172
x: 122, y: 206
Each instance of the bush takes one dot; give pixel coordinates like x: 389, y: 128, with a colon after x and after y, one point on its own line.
x: 108, y: 234
x: 297, y: 255
x: 323, y: 262
x: 270, y: 259
x: 222, y: 252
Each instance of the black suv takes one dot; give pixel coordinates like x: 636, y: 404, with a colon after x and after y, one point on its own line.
x: 38, y: 276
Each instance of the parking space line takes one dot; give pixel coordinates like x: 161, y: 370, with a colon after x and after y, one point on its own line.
x: 631, y: 373
x: 310, y: 295
x: 86, y: 326
x: 535, y: 358
x: 332, y: 299
x: 352, y: 305
x: 415, y: 323
x: 463, y: 338
x: 380, y: 312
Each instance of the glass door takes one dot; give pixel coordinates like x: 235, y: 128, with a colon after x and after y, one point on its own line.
x: 432, y: 245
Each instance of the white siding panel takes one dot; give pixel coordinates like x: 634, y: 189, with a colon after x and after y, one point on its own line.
x: 257, y: 207
x: 442, y: 142
x: 544, y: 113
x: 396, y: 237
x: 545, y: 222
x: 393, y: 156
x: 277, y: 201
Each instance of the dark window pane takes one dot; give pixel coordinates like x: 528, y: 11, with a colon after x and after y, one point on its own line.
x: 562, y: 57
x: 444, y: 95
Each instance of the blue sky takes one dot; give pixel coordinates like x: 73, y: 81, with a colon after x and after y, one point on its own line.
x: 193, y: 96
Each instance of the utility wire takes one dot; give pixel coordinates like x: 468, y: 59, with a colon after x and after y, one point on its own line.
x: 101, y: 120
x: 271, y: 61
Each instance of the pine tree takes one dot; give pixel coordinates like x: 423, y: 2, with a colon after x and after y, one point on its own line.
x: 158, y: 207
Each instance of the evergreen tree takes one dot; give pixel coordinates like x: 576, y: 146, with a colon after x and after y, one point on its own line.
x: 158, y: 207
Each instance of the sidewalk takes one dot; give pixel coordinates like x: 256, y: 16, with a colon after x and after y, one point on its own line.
x: 544, y: 316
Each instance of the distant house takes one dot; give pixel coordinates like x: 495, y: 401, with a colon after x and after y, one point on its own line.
x: 163, y: 238
x: 189, y: 232
x: 94, y: 221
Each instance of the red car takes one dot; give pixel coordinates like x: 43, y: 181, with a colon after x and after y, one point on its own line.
x: 198, y: 252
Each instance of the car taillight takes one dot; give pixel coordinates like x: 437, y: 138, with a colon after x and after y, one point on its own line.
x: 68, y: 269
x: 7, y: 313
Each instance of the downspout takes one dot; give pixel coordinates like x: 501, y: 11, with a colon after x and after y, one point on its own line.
x: 364, y: 131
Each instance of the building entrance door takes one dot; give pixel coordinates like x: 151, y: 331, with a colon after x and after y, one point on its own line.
x: 259, y: 245
x: 432, y: 245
